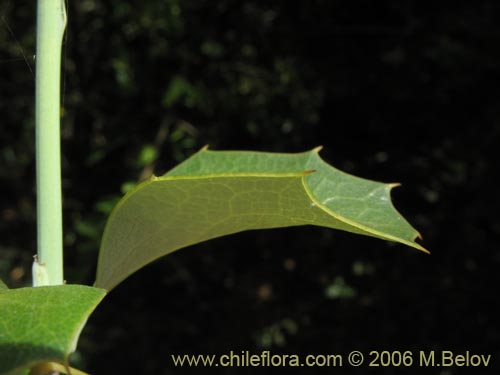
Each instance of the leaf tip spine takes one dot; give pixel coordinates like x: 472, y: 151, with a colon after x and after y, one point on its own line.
x: 423, y: 249
x: 393, y: 185
x: 205, y: 148
x: 311, y: 171
x: 317, y: 149
x: 419, y: 247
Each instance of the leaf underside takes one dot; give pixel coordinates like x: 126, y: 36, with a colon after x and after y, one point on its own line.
x: 216, y: 193
x: 42, y: 324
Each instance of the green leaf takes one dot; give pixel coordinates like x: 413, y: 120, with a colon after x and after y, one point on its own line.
x: 213, y: 194
x: 2, y: 285
x: 42, y: 324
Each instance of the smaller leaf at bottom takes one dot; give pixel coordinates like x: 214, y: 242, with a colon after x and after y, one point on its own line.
x: 42, y: 324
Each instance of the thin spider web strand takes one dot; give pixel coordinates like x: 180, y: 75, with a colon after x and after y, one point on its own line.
x: 19, y: 46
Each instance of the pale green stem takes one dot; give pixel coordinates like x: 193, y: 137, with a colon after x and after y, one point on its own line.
x: 51, y: 22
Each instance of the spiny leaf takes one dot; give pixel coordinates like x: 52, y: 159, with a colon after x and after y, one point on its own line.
x: 42, y: 324
x: 213, y: 194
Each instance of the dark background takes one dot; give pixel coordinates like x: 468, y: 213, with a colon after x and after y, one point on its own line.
x: 402, y: 91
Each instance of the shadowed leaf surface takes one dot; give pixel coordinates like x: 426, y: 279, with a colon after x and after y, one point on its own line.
x: 42, y: 324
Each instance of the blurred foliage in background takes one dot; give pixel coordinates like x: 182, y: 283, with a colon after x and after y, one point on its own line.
x: 394, y: 91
